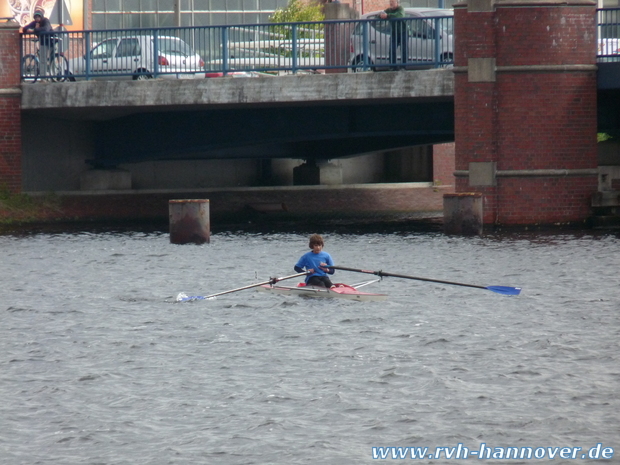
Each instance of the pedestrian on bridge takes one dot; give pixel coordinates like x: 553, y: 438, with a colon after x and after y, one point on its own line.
x: 42, y: 27
x: 398, y: 35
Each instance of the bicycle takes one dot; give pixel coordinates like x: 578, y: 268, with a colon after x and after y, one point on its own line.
x: 57, y: 64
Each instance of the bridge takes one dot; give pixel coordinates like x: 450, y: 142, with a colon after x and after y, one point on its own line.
x: 311, y: 117
x: 327, y: 116
x: 296, y: 116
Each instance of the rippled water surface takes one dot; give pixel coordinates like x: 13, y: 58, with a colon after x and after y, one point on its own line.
x: 99, y: 365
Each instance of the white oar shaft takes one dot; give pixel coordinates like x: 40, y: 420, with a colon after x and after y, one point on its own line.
x: 271, y: 281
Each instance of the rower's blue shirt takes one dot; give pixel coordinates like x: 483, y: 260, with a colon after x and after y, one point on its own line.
x: 311, y: 260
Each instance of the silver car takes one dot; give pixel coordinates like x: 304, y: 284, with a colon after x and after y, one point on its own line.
x: 138, y: 58
x: 430, y: 34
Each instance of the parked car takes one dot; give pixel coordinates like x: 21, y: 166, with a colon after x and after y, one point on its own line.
x: 422, y: 35
x: 608, y: 49
x: 134, y: 58
x: 262, y: 56
x: 235, y: 74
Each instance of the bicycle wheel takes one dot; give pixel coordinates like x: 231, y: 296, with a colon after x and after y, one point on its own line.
x: 30, y: 68
x: 59, y: 68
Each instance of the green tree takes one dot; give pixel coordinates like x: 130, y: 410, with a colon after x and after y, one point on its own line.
x: 298, y: 11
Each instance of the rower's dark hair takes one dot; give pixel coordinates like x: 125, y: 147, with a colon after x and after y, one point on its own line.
x: 316, y: 239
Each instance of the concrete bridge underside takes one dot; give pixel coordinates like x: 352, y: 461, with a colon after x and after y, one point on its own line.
x: 303, y: 117
x: 177, y: 133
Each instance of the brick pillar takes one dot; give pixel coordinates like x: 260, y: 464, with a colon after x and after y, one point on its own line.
x: 338, y: 36
x: 443, y: 164
x: 10, y: 107
x: 525, y: 108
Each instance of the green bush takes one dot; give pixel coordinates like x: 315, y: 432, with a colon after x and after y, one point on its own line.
x: 297, y: 11
x: 15, y: 208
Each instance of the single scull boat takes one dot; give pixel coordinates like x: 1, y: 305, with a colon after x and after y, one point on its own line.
x: 339, y: 291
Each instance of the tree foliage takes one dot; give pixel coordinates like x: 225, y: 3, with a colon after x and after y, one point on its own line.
x: 298, y: 11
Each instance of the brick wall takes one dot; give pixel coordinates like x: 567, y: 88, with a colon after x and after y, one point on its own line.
x: 474, y: 122
x: 240, y: 204
x: 536, y: 111
x: 375, y: 5
x: 546, y: 200
x: 9, y: 55
x: 476, y: 37
x: 10, y: 108
x: 548, y: 120
x: 443, y: 164
x: 546, y: 35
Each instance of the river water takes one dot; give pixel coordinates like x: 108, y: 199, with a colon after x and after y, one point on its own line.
x: 99, y: 365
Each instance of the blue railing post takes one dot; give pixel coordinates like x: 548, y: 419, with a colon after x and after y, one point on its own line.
x: 155, y: 52
x: 225, y: 68
x: 21, y: 54
x: 87, y: 42
x: 294, y: 48
x: 366, y: 45
x: 437, y: 38
x: 407, y: 29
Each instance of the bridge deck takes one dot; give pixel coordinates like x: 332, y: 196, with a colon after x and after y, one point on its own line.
x: 306, y: 116
x: 112, y: 99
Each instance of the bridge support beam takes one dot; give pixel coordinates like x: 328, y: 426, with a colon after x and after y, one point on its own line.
x: 525, y: 108
x: 10, y: 108
x: 100, y: 179
x: 315, y: 173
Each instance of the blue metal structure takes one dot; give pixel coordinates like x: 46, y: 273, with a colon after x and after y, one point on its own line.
x: 333, y: 131
x: 608, y: 34
x: 267, y: 48
x: 275, y: 48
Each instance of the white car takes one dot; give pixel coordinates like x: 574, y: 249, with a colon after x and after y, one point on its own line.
x: 429, y: 25
x: 607, y: 47
x: 138, y: 58
x: 261, y: 57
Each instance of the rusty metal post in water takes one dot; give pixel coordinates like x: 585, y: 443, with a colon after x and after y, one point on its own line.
x: 189, y: 221
x: 462, y: 214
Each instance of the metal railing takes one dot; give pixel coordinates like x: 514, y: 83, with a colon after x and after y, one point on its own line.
x: 273, y: 48
x: 608, y: 34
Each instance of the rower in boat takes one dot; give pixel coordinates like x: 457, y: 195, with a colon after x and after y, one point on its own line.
x: 317, y: 263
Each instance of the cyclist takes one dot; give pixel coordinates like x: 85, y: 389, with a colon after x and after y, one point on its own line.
x: 42, y: 28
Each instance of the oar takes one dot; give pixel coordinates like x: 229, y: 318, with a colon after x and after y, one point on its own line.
x: 506, y: 290
x: 184, y: 298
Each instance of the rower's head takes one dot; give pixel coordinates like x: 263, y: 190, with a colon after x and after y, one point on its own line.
x: 316, y: 241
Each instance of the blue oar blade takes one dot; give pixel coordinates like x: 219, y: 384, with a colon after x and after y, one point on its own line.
x: 505, y: 290
x: 190, y: 298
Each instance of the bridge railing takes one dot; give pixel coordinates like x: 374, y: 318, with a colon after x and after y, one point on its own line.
x: 274, y: 48
x: 608, y: 34
x: 271, y: 48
